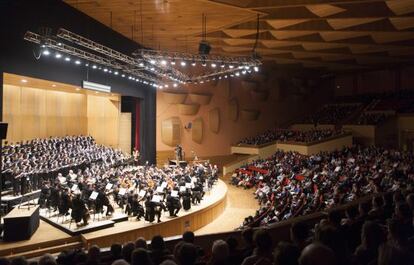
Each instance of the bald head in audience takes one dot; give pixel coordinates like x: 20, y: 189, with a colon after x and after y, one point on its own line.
x: 317, y: 254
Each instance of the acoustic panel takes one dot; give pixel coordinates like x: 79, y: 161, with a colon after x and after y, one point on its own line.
x: 249, y: 85
x: 171, y: 131
x: 188, y: 109
x: 259, y: 95
x: 201, y: 99
x: 173, y: 97
x: 249, y: 115
x: 214, y: 120
x: 197, y: 130
x: 233, y: 110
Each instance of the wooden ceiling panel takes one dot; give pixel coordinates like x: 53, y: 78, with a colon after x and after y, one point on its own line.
x: 326, y: 34
x: 401, y: 7
x: 325, y: 10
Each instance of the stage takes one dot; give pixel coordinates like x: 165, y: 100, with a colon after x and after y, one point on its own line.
x: 52, y: 239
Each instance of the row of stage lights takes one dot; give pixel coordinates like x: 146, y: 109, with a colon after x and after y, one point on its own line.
x: 242, y: 70
x: 108, y: 70
x: 184, y: 63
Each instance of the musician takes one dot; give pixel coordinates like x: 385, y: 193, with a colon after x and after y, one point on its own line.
x: 149, y: 210
x: 186, y: 196
x: 53, y: 200
x: 79, y: 210
x: 64, y: 202
x: 173, y: 205
x: 44, y: 194
x: 136, y: 155
x: 103, y: 200
x: 158, y: 208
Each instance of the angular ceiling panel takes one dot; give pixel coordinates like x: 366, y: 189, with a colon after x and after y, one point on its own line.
x: 325, y: 10
x: 401, y: 7
x: 287, y: 34
x: 343, y: 23
x: 283, y: 23
x: 402, y: 23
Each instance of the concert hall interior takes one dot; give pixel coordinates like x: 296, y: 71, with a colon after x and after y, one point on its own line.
x: 207, y: 132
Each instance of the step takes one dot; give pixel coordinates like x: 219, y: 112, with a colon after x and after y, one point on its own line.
x: 51, y: 250
x: 42, y: 245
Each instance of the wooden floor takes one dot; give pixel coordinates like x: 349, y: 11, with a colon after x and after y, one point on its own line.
x: 240, y: 204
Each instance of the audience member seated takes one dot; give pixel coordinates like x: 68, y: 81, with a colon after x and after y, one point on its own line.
x: 331, y: 114
x: 289, y: 184
x: 371, y: 118
x: 289, y: 136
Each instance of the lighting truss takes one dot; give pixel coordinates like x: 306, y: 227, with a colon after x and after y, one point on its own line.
x: 236, y: 63
x: 170, y: 72
x: 48, y: 42
x: 146, y: 66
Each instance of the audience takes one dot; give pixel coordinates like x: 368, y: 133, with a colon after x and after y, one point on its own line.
x: 282, y: 135
x: 331, y: 114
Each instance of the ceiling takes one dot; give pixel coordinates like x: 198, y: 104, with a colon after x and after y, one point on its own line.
x: 321, y: 34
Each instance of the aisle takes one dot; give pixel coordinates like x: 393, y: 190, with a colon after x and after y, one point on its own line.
x: 240, y: 204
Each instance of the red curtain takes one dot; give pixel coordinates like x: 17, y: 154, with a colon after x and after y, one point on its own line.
x: 137, y: 124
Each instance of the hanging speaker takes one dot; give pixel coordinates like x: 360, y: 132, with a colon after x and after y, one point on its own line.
x: 204, y: 48
x: 3, y: 130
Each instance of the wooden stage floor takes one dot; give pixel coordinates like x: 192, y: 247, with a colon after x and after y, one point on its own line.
x: 223, y: 209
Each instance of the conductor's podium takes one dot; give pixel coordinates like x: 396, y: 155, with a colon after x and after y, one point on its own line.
x: 21, y: 223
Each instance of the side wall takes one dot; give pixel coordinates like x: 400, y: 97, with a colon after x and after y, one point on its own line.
x: 232, y: 97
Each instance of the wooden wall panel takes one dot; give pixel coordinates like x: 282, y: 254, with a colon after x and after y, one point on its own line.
x: 214, y: 120
x: 197, y: 130
x: 171, y: 131
x: 124, y: 140
x: 41, y: 113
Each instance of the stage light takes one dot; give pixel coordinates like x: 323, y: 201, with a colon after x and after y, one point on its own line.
x: 204, y: 64
x: 213, y: 65
x: 225, y: 76
x: 173, y: 62
x: 86, y: 64
x: 152, y: 69
x: 24, y: 81
x: 123, y: 75
x: 152, y: 62
x: 220, y: 77
x: 165, y: 86
x: 193, y: 63
x: 244, y: 72
x: 256, y: 69
x: 105, y: 70
x: 58, y: 55
x: 129, y: 77
x: 46, y: 52
x: 183, y: 63
x: 175, y: 85
x: 231, y: 75
x: 237, y: 74
x: 163, y: 62
x: 53, y: 85
x: 77, y: 89
x: 201, y: 82
x: 141, y: 64
x: 67, y: 59
x: 59, y: 44
x: 222, y: 65
x: 116, y: 73
x: 110, y: 71
x: 77, y: 62
x: 94, y: 66
x: 231, y: 66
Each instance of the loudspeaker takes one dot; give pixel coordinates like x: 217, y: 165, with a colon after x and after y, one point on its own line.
x: 3, y: 130
x: 204, y: 48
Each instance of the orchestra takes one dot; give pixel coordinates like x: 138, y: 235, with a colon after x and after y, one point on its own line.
x: 86, y: 179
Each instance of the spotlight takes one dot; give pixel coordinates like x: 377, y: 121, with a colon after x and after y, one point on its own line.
x: 152, y: 62
x: 152, y: 69
x: 193, y: 63
x: 222, y: 65
x: 123, y: 75
x: 116, y: 73
x: 231, y: 66
x: 130, y: 77
x: 183, y: 63
x: 86, y: 64
x: 219, y: 77
x: 203, y: 64
x: 110, y: 71
x: 105, y: 70
x: 256, y: 69
x: 244, y: 72
x: 165, y: 86
x: 46, y: 52
x: 77, y: 62
x: 175, y: 85
x: 24, y: 81
x: 67, y: 59
x: 173, y: 62
x: 237, y: 74
x: 141, y: 64
x: 58, y: 55
x: 59, y: 44
x: 213, y: 65
x: 225, y: 76
x: 163, y: 62
x: 94, y: 66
